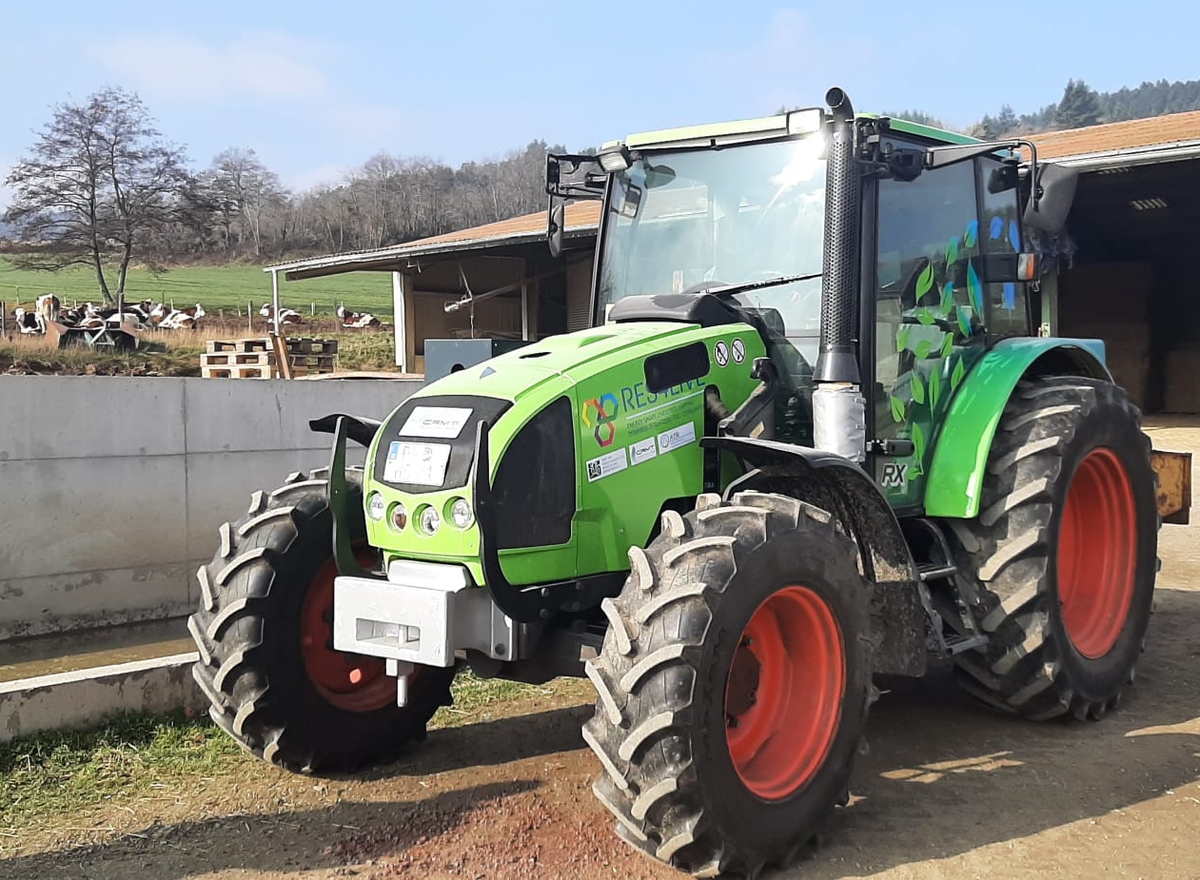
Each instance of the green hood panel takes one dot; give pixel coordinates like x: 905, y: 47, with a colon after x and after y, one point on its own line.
x: 522, y: 373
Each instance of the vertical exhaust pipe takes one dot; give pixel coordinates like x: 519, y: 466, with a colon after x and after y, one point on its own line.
x: 839, y: 410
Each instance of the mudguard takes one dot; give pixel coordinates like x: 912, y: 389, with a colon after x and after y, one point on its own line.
x: 964, y: 441
x: 836, y: 484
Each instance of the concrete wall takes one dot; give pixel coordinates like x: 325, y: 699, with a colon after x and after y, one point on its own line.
x: 112, y: 489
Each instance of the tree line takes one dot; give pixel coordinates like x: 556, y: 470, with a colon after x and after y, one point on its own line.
x: 103, y: 188
x: 1080, y: 106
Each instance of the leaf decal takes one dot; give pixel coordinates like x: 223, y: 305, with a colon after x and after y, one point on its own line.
x: 902, y: 337
x: 918, y: 440
x: 974, y: 289
x: 923, y: 349
x: 918, y: 389
x: 957, y: 375
x: 925, y: 281
x: 935, y: 387
x: 1014, y: 235
x: 947, y: 344
x: 897, y: 409
x: 1010, y: 295
x: 972, y: 234
x: 926, y: 316
x: 996, y: 228
x: 964, y: 324
x: 952, y: 252
x: 947, y: 297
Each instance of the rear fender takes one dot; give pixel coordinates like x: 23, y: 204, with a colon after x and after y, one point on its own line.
x: 960, y: 455
x: 838, y: 485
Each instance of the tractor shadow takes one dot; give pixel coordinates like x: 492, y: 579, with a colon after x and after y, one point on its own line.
x: 348, y: 832
x: 944, y: 776
x: 491, y: 743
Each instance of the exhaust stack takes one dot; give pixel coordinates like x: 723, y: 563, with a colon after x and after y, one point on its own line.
x: 839, y: 410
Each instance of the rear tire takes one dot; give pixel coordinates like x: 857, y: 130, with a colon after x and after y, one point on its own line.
x: 1064, y: 552
x: 732, y: 685
x: 264, y: 635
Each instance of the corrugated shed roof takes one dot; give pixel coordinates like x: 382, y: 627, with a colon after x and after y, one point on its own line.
x: 1173, y: 128
x: 581, y: 218
x: 579, y: 215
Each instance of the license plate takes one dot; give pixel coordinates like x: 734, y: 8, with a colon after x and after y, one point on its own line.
x: 417, y: 464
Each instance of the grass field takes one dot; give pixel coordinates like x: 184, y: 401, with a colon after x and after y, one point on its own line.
x: 217, y: 288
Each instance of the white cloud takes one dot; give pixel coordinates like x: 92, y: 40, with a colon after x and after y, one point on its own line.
x: 273, y: 66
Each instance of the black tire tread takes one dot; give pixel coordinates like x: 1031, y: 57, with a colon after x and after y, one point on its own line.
x: 229, y: 624
x: 1009, y: 547
x: 684, y: 572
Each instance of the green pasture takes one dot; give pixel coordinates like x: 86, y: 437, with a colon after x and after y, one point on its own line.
x: 215, y: 287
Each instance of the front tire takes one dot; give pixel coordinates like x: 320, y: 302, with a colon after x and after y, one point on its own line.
x: 1061, y: 560
x: 732, y: 685
x: 264, y: 636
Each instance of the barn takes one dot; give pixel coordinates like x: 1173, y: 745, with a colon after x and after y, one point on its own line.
x: 1130, y: 279
x: 497, y: 281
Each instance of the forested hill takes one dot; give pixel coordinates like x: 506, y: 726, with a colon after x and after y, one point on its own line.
x: 1081, y: 106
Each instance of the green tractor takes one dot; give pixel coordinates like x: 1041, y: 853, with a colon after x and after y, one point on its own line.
x: 810, y: 438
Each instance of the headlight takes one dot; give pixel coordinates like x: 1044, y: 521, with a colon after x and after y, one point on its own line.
x: 376, y: 506
x: 430, y: 520
x: 399, y: 517
x: 461, y: 513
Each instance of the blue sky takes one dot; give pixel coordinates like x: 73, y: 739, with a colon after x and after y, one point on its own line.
x: 316, y: 88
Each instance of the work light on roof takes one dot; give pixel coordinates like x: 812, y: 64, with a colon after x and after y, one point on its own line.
x: 614, y: 159
x: 804, y: 121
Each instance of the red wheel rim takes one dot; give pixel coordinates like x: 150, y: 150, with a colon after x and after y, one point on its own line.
x: 351, y: 682
x: 783, y: 693
x: 1097, y: 553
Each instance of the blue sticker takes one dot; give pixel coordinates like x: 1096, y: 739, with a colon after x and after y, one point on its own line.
x: 972, y: 234
x: 996, y: 229
x: 1010, y: 295
x: 1014, y: 235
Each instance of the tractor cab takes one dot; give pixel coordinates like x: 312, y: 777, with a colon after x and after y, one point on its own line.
x: 931, y: 236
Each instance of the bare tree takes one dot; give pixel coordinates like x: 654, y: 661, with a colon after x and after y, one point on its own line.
x: 244, y: 190
x: 99, y: 182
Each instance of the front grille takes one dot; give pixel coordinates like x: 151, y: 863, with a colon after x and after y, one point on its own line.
x: 534, y: 490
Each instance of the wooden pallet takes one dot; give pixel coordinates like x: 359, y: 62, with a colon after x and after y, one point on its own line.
x: 309, y: 345
x: 238, y: 371
x: 221, y: 359
x: 256, y: 358
x: 240, y: 345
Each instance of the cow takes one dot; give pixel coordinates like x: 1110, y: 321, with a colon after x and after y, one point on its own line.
x: 27, y: 322
x: 47, y: 308
x: 286, y: 316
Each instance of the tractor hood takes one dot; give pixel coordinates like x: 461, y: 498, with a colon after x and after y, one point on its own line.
x: 579, y: 428
x: 570, y: 357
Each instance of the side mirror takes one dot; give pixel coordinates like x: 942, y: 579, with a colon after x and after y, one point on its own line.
x: 554, y: 231
x: 1055, y: 190
x: 1003, y: 179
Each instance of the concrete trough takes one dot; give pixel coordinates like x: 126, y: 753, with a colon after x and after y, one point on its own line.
x: 81, y: 698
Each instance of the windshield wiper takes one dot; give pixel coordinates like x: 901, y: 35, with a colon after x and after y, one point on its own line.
x: 731, y: 289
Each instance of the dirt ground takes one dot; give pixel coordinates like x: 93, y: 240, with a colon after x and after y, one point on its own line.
x: 947, y: 790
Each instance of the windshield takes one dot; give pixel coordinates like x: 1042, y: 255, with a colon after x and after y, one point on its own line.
x: 687, y: 220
